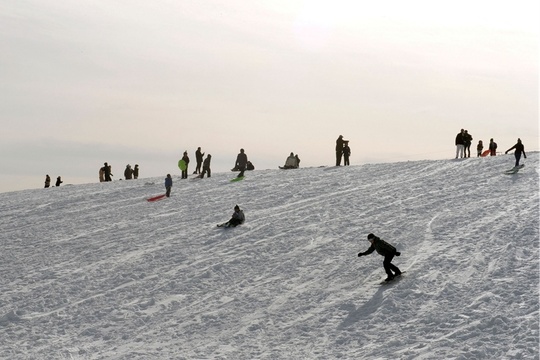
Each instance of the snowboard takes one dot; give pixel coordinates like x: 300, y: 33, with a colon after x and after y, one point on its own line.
x: 396, y: 278
x: 156, y: 198
x: 237, y: 179
x: 514, y: 170
x: 182, y: 165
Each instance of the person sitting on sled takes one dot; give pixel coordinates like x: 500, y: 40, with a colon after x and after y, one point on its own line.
x: 237, y: 218
x: 386, y: 250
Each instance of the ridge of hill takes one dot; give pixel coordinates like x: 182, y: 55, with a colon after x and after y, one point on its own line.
x: 96, y: 272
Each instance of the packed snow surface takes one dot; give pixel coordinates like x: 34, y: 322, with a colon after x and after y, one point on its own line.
x: 96, y: 272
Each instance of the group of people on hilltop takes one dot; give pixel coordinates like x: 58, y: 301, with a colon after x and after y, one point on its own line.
x: 48, y: 181
x: 342, y: 151
x: 131, y: 173
x: 464, y: 140
x: 200, y: 161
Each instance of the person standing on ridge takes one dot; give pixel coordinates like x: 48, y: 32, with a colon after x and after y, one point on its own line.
x: 107, y: 172
x: 241, y: 162
x: 479, y: 148
x: 58, y: 181
x: 186, y: 160
x: 492, y: 147
x: 388, y: 251
x: 199, y: 159
x: 128, y: 172
x: 206, y: 166
x: 47, y: 181
x: 467, y: 141
x: 346, y: 153
x: 136, y: 172
x: 460, y: 144
x: 339, y: 149
x: 520, y: 149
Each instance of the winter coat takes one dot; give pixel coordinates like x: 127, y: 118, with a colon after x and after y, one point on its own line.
x: 382, y: 247
x: 460, y: 139
x: 206, y: 163
x: 519, y: 149
x: 168, y: 181
x: 239, y: 215
x: 241, y: 160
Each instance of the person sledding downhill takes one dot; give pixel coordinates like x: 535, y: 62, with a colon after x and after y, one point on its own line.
x: 388, y: 251
x: 237, y: 218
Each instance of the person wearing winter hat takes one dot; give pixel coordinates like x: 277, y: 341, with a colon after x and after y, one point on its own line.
x: 520, y: 149
x: 237, y: 218
x: 388, y: 251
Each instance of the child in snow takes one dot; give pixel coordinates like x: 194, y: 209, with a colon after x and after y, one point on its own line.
x: 386, y: 250
x: 168, y: 185
x: 236, y: 219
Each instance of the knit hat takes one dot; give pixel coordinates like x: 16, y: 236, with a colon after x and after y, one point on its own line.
x: 370, y: 236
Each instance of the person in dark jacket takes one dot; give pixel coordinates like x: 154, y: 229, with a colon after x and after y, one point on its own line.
x: 186, y: 160
x: 128, y: 172
x: 339, y: 149
x: 206, y: 166
x: 59, y: 181
x: 47, y: 181
x: 479, y: 148
x: 388, y: 251
x: 199, y: 159
x: 168, y: 185
x: 492, y: 147
x: 241, y: 162
x: 107, y: 172
x: 237, y: 218
x: 520, y: 149
x: 346, y: 153
x: 460, y: 144
x: 467, y: 142
x: 136, y: 171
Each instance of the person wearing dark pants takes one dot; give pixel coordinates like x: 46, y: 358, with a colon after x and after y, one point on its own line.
x: 520, y: 149
x: 388, y: 251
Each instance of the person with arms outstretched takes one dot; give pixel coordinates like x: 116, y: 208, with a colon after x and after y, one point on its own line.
x: 388, y: 251
x: 520, y: 149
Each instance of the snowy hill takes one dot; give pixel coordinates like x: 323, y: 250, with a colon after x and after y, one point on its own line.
x: 96, y: 272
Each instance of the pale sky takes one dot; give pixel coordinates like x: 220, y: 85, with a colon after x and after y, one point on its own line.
x: 84, y: 82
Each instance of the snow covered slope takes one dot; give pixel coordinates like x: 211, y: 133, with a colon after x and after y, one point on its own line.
x: 96, y: 272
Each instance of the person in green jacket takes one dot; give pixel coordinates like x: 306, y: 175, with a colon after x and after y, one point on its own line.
x: 388, y: 251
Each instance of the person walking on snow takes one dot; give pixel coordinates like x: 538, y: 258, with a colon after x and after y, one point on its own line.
x: 519, y: 150
x: 388, y: 251
x: 168, y: 185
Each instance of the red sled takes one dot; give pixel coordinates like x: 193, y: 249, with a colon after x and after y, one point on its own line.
x: 485, y: 153
x: 155, y: 198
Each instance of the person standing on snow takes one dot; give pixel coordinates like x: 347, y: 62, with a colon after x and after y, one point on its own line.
x: 59, y: 181
x: 388, y: 251
x: 492, y: 147
x: 479, y: 148
x: 186, y: 160
x: 339, y: 149
x: 47, y: 181
x: 467, y: 141
x: 199, y: 159
x: 241, y: 162
x: 168, y: 185
x: 136, y: 172
x: 206, y: 166
x: 346, y: 153
x: 519, y: 150
x: 460, y: 144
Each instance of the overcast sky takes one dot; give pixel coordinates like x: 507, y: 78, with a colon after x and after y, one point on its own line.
x: 84, y: 82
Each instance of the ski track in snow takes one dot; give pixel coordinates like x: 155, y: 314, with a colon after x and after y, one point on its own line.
x: 96, y: 272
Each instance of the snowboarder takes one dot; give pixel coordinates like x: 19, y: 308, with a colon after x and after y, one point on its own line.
x: 237, y: 218
x: 206, y: 166
x: 519, y: 150
x: 168, y: 185
x: 58, y: 181
x: 186, y: 160
x: 386, y: 250
x: 241, y: 163
x: 47, y: 181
